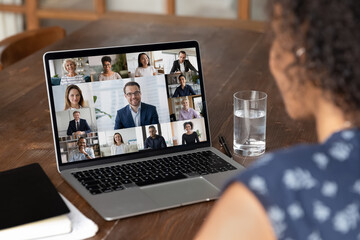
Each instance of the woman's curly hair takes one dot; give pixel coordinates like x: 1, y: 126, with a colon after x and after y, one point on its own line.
x: 331, y: 41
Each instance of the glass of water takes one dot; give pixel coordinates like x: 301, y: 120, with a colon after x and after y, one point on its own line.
x: 249, y: 122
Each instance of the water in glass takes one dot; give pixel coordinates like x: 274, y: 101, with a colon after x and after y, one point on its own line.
x: 249, y: 132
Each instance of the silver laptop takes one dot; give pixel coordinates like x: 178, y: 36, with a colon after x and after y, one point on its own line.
x: 131, y: 130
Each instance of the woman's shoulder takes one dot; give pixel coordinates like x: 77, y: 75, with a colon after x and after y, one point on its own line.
x: 138, y: 70
x: 279, y: 167
x: 304, y: 181
x: 340, y: 147
x: 301, y: 156
x: 306, y: 165
x: 101, y: 76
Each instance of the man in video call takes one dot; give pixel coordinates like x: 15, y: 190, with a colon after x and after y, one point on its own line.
x: 154, y: 141
x: 81, y: 152
x: 182, y: 65
x: 136, y: 113
x: 78, y: 126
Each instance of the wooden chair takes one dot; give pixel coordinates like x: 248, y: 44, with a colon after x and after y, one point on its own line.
x: 19, y: 46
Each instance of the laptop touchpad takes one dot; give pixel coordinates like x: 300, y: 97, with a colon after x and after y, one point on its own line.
x: 182, y: 192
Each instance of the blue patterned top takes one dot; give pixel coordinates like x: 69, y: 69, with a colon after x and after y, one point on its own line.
x: 311, y: 192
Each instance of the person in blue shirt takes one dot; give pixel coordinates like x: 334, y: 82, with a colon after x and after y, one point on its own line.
x: 154, y: 141
x: 81, y: 152
x: 184, y: 89
x: 310, y: 191
x: 136, y: 113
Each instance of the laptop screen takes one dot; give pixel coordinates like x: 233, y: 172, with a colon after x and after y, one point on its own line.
x: 124, y: 102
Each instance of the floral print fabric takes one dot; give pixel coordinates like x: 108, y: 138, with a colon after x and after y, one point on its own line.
x: 311, y: 191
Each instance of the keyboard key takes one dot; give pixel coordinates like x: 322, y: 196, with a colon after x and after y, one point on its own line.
x: 118, y: 188
x: 89, y: 183
x: 95, y: 192
x: 119, y: 177
x: 95, y: 187
x: 106, y: 190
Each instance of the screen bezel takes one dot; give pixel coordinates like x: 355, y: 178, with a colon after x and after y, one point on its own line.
x: 121, y: 50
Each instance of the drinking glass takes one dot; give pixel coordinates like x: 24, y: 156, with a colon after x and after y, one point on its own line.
x: 249, y: 122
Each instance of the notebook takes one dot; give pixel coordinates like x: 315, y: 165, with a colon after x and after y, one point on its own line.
x: 131, y: 129
x: 31, y: 206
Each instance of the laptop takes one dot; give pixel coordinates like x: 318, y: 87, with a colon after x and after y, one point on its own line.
x: 131, y: 129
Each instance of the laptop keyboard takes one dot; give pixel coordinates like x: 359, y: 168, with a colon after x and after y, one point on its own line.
x: 122, y: 176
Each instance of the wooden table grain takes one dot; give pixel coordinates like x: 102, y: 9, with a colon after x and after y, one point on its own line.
x: 233, y: 57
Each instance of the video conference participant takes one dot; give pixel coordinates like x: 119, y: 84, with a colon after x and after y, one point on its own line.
x: 136, y: 113
x: 186, y: 112
x: 78, y: 126
x: 81, y: 152
x: 190, y: 137
x: 71, y: 77
x: 119, y: 147
x: 184, y: 89
x: 154, y: 141
x: 144, y: 68
x: 73, y: 98
x: 107, y: 74
x: 182, y: 65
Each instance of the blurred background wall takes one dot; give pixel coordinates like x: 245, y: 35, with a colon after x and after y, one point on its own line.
x: 20, y: 15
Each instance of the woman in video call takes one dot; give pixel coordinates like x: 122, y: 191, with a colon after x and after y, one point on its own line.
x: 144, y: 68
x: 190, y: 137
x: 187, y: 113
x: 119, y: 147
x: 310, y: 191
x: 184, y: 89
x: 73, y: 98
x: 107, y: 74
x: 71, y: 77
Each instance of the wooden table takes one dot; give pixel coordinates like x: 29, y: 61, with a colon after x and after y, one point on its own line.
x: 233, y: 59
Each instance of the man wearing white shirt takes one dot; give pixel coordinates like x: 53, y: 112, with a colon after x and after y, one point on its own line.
x: 182, y: 65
